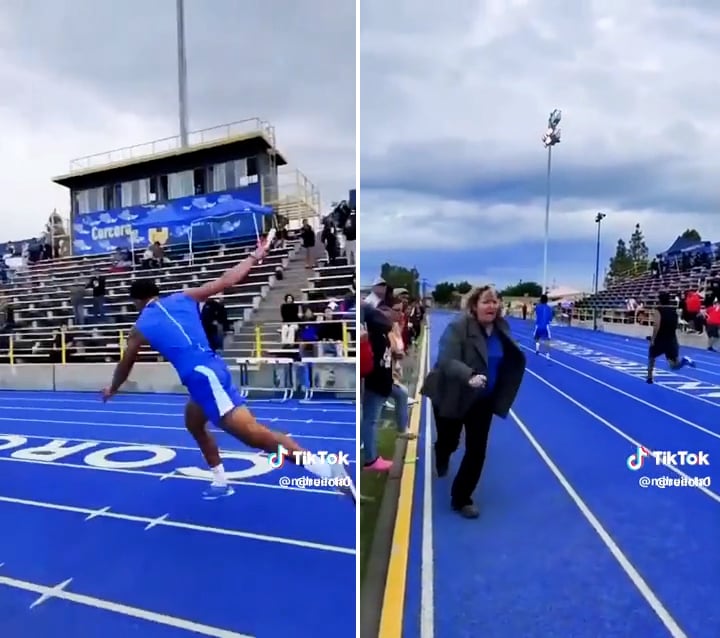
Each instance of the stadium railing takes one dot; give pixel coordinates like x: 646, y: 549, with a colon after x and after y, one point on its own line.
x: 279, y: 379
x: 261, y: 344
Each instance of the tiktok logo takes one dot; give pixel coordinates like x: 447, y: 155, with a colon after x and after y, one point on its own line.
x: 276, y: 459
x: 637, y: 460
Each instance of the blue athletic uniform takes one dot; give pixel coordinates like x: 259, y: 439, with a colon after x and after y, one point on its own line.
x: 172, y: 326
x: 543, y: 319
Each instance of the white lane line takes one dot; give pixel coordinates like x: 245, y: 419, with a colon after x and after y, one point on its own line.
x: 158, y: 521
x: 160, y: 475
x: 637, y: 580
x: 118, y: 608
x: 97, y: 513
x: 165, y: 522
x: 140, y: 426
x: 177, y: 415
x: 51, y: 592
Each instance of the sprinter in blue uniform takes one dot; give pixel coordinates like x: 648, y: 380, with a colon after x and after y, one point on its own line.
x: 171, y: 325
x: 543, y: 319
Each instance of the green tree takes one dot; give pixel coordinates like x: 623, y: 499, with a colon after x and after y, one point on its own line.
x: 638, y: 250
x: 621, y: 262
x: 522, y: 289
x: 464, y: 287
x: 444, y: 293
x: 691, y: 233
x: 401, y: 277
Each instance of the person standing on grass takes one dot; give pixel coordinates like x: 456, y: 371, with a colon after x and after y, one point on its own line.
x: 477, y: 375
x: 378, y: 384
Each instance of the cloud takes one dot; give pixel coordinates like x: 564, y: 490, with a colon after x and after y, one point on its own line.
x: 88, y: 77
x: 455, y: 99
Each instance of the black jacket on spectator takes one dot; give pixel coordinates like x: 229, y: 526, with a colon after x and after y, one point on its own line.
x: 463, y: 353
x: 307, y: 235
x: 290, y: 312
x: 330, y: 330
x: 380, y: 380
x: 97, y: 285
x: 213, y: 313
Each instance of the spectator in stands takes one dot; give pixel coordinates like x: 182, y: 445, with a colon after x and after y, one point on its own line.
x: 712, y: 324
x: 330, y: 335
x: 693, y: 305
x: 348, y: 301
x: 477, y: 375
x: 350, y: 232
x: 330, y: 241
x: 121, y: 260
x: 283, y: 235
x: 290, y: 315
x: 307, y: 236
x: 308, y: 334
x: 77, y: 301
x: 99, y: 292
x: 378, y: 384
x: 214, y: 318
x: 154, y: 256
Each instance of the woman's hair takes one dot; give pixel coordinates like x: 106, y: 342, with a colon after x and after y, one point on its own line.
x: 471, y: 301
x: 664, y: 298
x: 289, y: 299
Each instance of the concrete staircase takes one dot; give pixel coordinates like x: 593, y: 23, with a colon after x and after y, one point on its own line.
x: 295, y: 278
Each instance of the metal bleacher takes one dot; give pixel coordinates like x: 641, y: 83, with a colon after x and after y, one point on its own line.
x: 40, y: 298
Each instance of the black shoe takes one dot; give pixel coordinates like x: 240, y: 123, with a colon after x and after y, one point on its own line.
x: 649, y: 380
x: 468, y: 511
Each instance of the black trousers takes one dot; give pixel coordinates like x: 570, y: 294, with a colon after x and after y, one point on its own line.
x: 477, y: 423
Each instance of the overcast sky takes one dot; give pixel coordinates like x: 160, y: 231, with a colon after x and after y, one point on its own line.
x: 80, y: 77
x: 455, y: 98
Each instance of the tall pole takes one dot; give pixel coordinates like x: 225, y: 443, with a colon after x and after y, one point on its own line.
x: 182, y: 72
x: 547, y: 219
x: 550, y: 138
x: 598, y: 220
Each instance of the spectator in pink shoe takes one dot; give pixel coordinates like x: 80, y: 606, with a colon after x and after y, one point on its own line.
x: 378, y: 385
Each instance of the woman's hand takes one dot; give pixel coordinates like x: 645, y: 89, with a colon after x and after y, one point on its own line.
x: 478, y: 381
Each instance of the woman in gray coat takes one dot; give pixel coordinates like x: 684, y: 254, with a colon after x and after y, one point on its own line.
x: 477, y: 375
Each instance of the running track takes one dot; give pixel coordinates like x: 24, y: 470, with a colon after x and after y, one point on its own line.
x: 99, y: 544
x: 568, y: 543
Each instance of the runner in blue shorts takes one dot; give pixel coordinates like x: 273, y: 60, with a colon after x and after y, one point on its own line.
x: 171, y: 325
x: 543, y: 319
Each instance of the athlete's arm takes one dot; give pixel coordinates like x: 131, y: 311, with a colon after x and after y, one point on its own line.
x: 122, y: 371
x: 656, y: 324
x: 230, y: 277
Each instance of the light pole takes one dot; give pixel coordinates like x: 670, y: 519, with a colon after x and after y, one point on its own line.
x: 182, y: 71
x: 598, y: 220
x: 549, y: 139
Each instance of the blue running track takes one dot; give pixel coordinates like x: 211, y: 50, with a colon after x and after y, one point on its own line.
x: 569, y: 544
x: 103, y: 532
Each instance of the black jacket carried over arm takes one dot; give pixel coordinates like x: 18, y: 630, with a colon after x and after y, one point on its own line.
x: 463, y: 353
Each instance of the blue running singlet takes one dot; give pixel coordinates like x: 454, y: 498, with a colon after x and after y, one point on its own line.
x: 172, y: 326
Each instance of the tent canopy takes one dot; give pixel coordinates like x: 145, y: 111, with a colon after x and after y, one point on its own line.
x: 174, y: 215
x: 682, y: 244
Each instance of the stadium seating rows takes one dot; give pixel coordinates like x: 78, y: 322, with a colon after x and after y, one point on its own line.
x: 40, y: 298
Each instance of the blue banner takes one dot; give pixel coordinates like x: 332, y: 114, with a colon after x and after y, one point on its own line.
x: 134, y: 226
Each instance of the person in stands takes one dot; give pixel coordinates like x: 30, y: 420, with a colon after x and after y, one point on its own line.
x: 712, y: 324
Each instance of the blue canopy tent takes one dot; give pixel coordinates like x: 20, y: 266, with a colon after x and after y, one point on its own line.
x: 177, y: 216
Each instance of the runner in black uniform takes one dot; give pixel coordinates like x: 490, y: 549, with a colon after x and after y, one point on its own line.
x: 664, y: 337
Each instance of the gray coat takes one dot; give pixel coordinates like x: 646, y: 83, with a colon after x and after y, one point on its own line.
x: 463, y: 353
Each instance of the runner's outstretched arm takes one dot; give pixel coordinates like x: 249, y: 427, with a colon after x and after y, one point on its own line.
x: 232, y: 276
x: 125, y: 365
